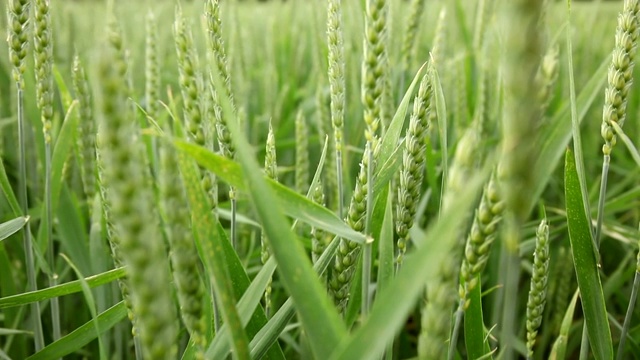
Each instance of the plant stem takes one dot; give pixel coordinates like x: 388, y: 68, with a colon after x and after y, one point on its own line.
x: 601, y: 198
x: 53, y: 277
x: 340, y: 185
x: 24, y: 203
x: 456, y: 331
x: 627, y: 318
x: 366, y: 258
x: 234, y: 210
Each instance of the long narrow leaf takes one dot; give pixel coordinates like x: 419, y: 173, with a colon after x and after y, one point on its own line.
x: 559, y: 348
x: 269, y: 334
x: 82, y: 335
x: 71, y: 287
x: 12, y: 226
x: 8, y: 191
x: 210, y: 246
x: 474, y: 334
x: 585, y: 263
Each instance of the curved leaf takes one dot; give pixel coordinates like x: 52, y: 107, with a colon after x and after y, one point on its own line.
x: 591, y: 295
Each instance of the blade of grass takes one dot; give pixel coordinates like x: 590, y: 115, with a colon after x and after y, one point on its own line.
x: 246, y: 306
x: 559, y: 348
x: 389, y: 312
x: 82, y: 335
x: 385, y: 248
x: 474, y: 333
x: 12, y: 226
x: 581, y: 237
x: 269, y: 334
x: 70, y: 287
x: 210, y: 245
x: 91, y: 303
x: 8, y: 191
x: 389, y: 143
x: 441, y: 111
x: 575, y: 122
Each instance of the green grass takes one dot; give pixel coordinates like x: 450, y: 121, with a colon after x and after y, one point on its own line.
x: 269, y: 63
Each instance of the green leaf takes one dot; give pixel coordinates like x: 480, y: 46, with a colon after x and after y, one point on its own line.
x: 246, y: 306
x: 8, y: 191
x: 390, y: 310
x: 270, y: 332
x: 586, y: 267
x: 91, y: 303
x: 72, y: 230
x: 291, y: 203
x: 559, y: 348
x: 63, y: 146
x: 389, y: 144
x: 12, y: 226
x: 575, y: 123
x: 71, y: 287
x: 82, y: 335
x: 210, y: 247
x: 385, y: 246
x: 441, y: 111
x: 474, y: 333
x: 6, y: 332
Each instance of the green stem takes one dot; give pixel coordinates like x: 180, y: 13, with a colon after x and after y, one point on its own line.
x: 366, y: 259
x: 53, y: 277
x: 340, y: 185
x: 627, y: 318
x: 601, y: 198
x: 456, y: 330
x: 28, y: 244
x: 234, y: 210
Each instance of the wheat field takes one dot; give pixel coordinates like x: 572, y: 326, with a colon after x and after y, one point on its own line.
x: 374, y: 179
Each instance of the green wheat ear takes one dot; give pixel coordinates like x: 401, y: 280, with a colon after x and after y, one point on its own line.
x: 87, y: 131
x: 337, y: 102
x: 152, y: 68
x: 131, y: 210
x: 483, y: 232
x: 538, y: 290
x: 43, y: 54
x: 413, y: 163
x: 620, y: 75
x: 271, y: 171
x: 184, y: 256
